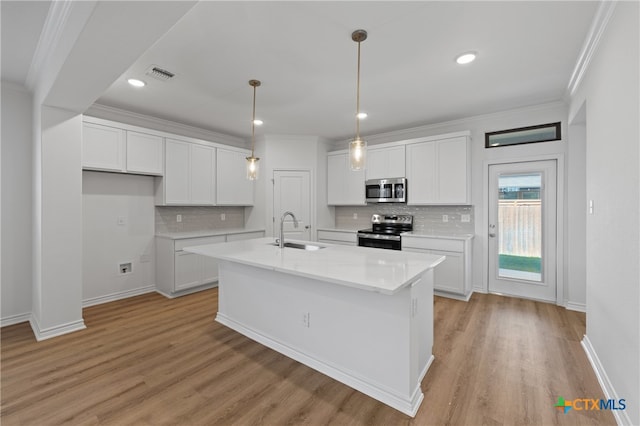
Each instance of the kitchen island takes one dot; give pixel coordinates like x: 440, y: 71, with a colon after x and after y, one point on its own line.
x: 362, y: 316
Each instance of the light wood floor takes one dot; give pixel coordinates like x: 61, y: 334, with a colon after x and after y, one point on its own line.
x: 150, y: 360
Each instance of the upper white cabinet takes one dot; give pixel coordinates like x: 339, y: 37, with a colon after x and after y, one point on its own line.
x: 145, y: 153
x: 189, y: 176
x: 438, y: 171
x: 344, y: 187
x: 385, y: 162
x: 109, y: 148
x: 233, y: 187
x: 102, y: 147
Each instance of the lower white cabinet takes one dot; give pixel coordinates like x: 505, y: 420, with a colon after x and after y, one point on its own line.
x: 347, y: 238
x: 179, y: 272
x: 452, y: 278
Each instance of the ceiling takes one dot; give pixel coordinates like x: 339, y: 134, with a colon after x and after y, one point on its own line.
x: 303, y: 53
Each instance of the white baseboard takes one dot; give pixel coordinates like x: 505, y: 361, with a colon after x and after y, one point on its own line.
x: 579, y: 307
x: 453, y: 295
x: 117, y: 296
x: 622, y: 418
x: 185, y: 292
x: 58, y: 330
x: 15, y: 319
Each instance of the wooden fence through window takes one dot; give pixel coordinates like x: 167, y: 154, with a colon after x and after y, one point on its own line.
x: 520, y: 227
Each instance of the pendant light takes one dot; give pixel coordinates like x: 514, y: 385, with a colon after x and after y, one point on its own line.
x: 358, y: 147
x: 252, y: 162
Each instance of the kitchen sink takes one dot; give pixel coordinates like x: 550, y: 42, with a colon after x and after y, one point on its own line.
x: 308, y: 247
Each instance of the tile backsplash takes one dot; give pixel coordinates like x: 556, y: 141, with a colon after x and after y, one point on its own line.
x: 425, y: 218
x: 198, y: 218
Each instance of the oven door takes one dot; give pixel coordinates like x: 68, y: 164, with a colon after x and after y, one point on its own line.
x: 389, y: 242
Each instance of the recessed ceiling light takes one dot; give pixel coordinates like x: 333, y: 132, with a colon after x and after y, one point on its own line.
x: 258, y: 122
x: 362, y: 115
x: 466, y: 58
x: 136, y: 83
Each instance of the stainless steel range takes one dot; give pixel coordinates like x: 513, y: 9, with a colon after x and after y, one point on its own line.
x: 385, y: 231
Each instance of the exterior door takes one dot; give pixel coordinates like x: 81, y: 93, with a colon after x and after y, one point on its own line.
x: 291, y: 192
x: 522, y: 229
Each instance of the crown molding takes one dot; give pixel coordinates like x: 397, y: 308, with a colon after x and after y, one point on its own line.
x: 54, y: 25
x: 142, y: 120
x: 597, y: 29
x: 411, y: 132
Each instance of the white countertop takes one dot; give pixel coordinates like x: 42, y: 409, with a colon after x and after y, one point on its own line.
x: 431, y: 234
x: 205, y: 233
x: 349, y: 231
x: 383, y: 271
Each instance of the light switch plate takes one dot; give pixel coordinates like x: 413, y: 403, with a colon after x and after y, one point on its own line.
x: 465, y: 218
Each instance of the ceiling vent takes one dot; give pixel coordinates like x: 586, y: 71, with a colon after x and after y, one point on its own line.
x: 159, y: 73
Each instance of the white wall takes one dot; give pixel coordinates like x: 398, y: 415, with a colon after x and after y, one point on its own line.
x: 610, y: 90
x: 481, y: 156
x: 15, y: 290
x: 106, y: 198
x: 290, y: 152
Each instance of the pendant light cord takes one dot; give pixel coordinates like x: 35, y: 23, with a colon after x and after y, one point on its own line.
x: 358, y: 98
x: 253, y: 123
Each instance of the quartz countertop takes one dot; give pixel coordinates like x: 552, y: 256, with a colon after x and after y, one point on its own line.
x: 383, y: 271
x: 431, y: 234
x: 205, y: 233
x: 349, y: 231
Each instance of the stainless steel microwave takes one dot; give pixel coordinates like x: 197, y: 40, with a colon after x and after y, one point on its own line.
x: 386, y: 190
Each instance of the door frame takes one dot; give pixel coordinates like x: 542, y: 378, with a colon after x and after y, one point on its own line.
x: 312, y: 201
x: 560, y: 219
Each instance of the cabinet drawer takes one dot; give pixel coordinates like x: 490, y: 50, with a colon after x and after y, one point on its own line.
x: 200, y: 241
x: 433, y: 244
x: 345, y: 237
x: 245, y: 236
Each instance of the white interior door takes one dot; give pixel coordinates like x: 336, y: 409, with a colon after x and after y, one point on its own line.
x: 522, y: 229
x: 291, y: 192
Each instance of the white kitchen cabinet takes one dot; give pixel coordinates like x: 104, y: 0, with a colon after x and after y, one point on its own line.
x: 342, y: 237
x: 438, y: 172
x: 344, y: 187
x: 145, y: 153
x: 103, y: 147
x: 113, y: 149
x: 452, y: 278
x: 233, y: 187
x: 179, y: 272
x: 189, y: 176
x: 202, y: 176
x: 385, y: 162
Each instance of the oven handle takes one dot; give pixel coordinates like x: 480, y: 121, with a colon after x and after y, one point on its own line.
x: 379, y: 237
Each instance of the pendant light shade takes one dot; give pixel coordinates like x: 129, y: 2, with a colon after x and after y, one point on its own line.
x: 358, y: 146
x: 252, y: 162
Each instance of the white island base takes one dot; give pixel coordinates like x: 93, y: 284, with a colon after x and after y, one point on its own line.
x: 379, y: 344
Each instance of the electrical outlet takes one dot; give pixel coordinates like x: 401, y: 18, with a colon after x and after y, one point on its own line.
x: 125, y: 268
x: 445, y: 218
x: 355, y: 216
x: 465, y: 218
x: 223, y: 217
x: 178, y: 218
x: 306, y: 319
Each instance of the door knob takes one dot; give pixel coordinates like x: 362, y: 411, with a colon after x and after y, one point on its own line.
x: 492, y: 235
x: 307, y: 227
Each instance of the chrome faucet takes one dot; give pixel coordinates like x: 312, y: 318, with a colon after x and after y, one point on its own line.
x: 295, y: 223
